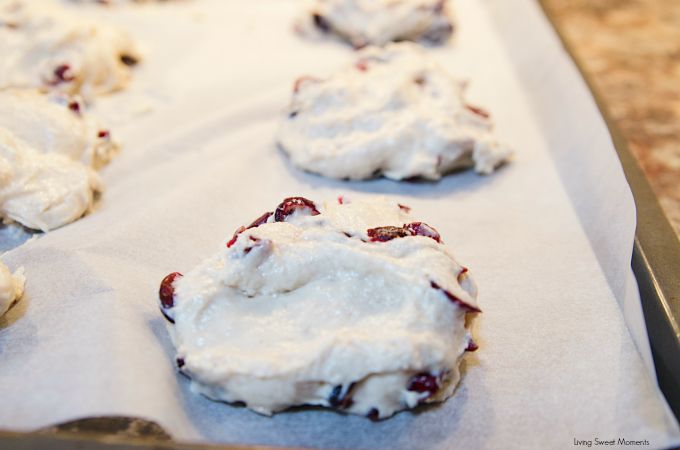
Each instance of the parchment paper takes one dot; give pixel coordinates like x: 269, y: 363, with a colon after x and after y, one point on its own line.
x: 563, y: 353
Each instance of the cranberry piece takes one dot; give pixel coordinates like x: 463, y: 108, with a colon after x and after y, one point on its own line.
x: 424, y: 382
x: 62, y: 74
x: 256, y: 223
x: 128, y: 60
x: 341, y: 200
x: 74, y: 106
x: 321, y: 23
x: 373, y: 414
x: 477, y: 110
x: 167, y: 291
x: 472, y: 346
x: 461, y: 275
x: 103, y: 134
x: 291, y: 204
x: 384, y: 234
x: 423, y: 229
x: 341, y: 400
x: 361, y: 65
x: 466, y: 306
x: 301, y: 80
x: 256, y: 242
x: 180, y: 362
x: 260, y: 220
x: 238, y: 231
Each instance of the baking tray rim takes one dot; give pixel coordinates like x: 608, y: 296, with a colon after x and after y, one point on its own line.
x: 655, y: 262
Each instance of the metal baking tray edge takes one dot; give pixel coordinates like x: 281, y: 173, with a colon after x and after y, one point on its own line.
x: 656, y: 251
x: 655, y: 262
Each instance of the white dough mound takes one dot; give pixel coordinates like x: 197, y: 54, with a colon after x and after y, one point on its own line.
x: 49, y: 148
x: 348, y: 305
x: 394, y: 113
x: 45, y: 46
x: 56, y: 123
x: 11, y: 287
x: 377, y: 22
x: 42, y: 191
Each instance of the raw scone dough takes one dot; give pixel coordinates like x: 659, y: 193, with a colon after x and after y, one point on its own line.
x: 11, y: 287
x: 56, y: 124
x: 349, y: 305
x: 377, y: 22
x: 42, y: 190
x: 44, y: 46
x: 395, y: 113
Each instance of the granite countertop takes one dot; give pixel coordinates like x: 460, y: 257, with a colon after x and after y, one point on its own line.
x: 631, y: 50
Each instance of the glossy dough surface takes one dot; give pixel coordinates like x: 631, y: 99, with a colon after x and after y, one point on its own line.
x: 45, y: 46
x: 394, y: 113
x: 348, y: 305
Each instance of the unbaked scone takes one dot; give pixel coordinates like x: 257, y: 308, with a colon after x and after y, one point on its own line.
x: 394, y: 113
x: 377, y: 22
x: 42, y: 191
x: 56, y: 123
x: 348, y: 305
x: 11, y: 287
x: 45, y: 46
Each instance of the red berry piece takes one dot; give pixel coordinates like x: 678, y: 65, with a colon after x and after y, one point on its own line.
x: 384, y: 234
x: 238, y: 231
x: 424, y: 382
x: 341, y: 398
x: 341, y: 200
x: 256, y: 242
x: 180, y: 362
x: 260, y: 220
x: 461, y: 275
x: 291, y: 204
x: 103, y: 134
x: 466, y: 306
x: 62, y: 74
x: 361, y: 65
x: 167, y: 291
x: 74, y: 106
x: 472, y: 346
x: 423, y: 229
x: 128, y: 60
x: 477, y: 110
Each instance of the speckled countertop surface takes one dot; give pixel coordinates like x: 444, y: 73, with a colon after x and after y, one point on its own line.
x: 631, y: 50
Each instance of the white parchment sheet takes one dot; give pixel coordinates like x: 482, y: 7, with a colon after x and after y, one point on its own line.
x: 548, y: 240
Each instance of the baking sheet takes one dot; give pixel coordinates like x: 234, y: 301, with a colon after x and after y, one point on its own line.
x: 548, y: 239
